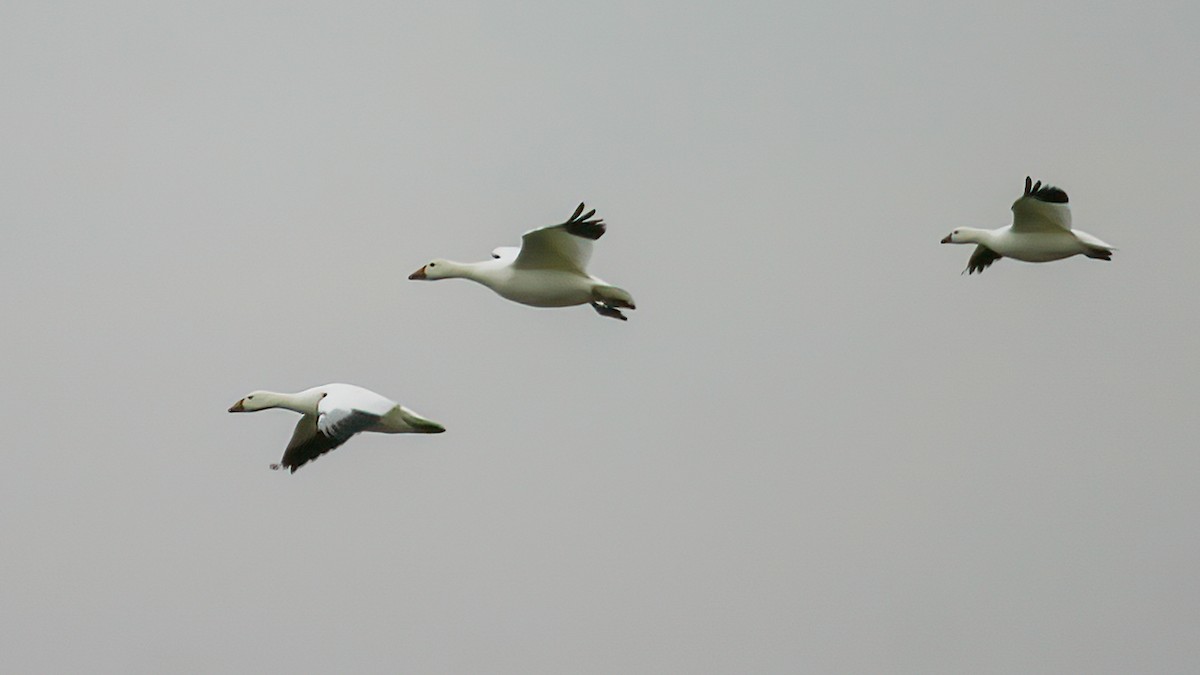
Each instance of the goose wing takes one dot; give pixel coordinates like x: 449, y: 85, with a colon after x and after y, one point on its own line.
x: 339, y: 416
x: 306, y: 445
x: 981, y: 259
x: 1043, y: 208
x: 566, y: 246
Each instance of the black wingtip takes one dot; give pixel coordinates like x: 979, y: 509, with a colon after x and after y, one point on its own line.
x: 580, y: 225
x: 1045, y: 193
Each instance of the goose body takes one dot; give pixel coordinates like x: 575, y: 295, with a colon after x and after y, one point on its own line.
x: 331, y: 414
x: 1040, y: 232
x: 549, y: 269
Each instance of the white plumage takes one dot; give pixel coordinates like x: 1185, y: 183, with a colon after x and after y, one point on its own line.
x: 548, y: 270
x: 1040, y: 232
x: 331, y: 414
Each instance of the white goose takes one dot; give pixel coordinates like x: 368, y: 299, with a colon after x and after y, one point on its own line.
x: 1040, y: 232
x: 548, y: 270
x: 331, y: 414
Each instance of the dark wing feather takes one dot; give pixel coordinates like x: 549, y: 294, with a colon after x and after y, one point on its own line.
x: 314, y: 436
x: 580, y: 225
x: 342, y: 423
x: 306, y: 445
x: 981, y: 259
x: 567, y: 245
x: 1046, y: 193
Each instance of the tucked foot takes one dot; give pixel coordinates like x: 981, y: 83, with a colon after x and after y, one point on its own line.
x: 609, y: 311
x: 274, y: 467
x: 612, y: 297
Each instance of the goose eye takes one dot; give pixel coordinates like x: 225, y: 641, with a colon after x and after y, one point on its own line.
x: 433, y: 264
x: 249, y: 397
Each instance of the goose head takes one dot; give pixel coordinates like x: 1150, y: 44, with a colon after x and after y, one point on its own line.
x: 964, y: 235
x: 258, y: 400
x: 304, y: 402
x: 433, y: 270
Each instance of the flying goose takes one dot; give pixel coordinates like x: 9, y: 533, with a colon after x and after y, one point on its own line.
x: 548, y: 270
x: 331, y: 414
x: 1040, y: 232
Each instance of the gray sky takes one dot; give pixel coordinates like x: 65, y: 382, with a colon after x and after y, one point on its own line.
x: 813, y: 448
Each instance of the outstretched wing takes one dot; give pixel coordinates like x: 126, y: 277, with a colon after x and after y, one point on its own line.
x: 981, y: 259
x: 566, y: 246
x: 315, y: 436
x: 1043, y: 208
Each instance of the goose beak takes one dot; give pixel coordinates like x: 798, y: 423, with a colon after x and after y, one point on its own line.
x: 947, y: 239
x: 419, y: 274
x: 238, y: 407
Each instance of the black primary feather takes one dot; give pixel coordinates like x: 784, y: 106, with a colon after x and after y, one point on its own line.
x: 580, y: 226
x: 981, y: 259
x: 300, y: 453
x: 1044, y: 193
x: 309, y: 442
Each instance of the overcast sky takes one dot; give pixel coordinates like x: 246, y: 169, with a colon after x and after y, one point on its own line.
x: 815, y: 447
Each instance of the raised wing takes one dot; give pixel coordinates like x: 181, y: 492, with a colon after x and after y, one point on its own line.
x: 315, y: 436
x: 566, y: 246
x: 1043, y: 208
x: 981, y: 259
